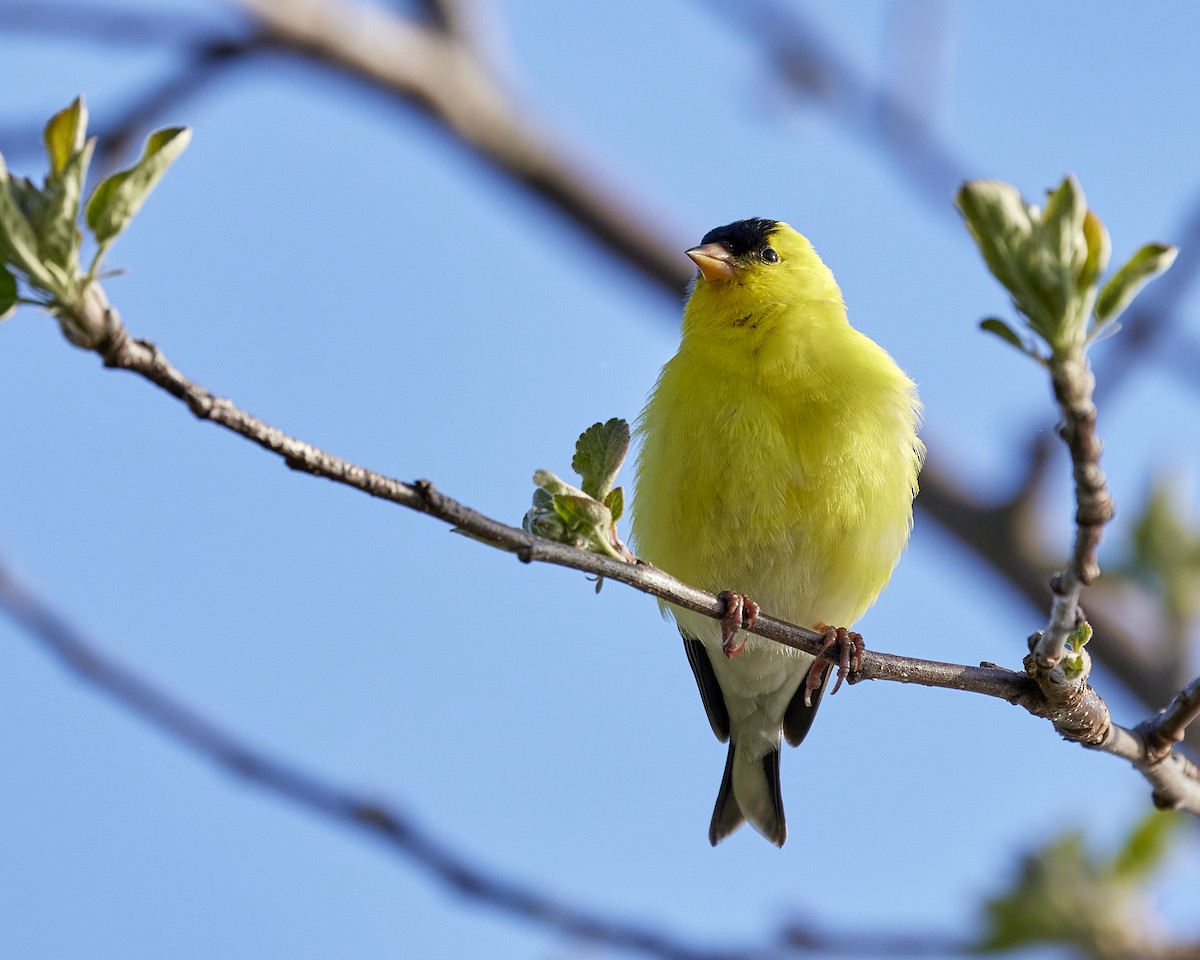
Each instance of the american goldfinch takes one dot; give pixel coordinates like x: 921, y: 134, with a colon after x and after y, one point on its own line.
x: 778, y: 465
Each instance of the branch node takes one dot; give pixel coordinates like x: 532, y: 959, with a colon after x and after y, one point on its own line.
x: 375, y: 816
x: 431, y: 499
x: 114, y: 350
x: 1071, y: 705
x: 1163, y: 802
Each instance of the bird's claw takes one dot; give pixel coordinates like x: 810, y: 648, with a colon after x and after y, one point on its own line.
x: 740, y: 612
x: 850, y: 649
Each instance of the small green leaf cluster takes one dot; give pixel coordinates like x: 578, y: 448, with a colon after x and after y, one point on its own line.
x: 40, y: 238
x: 585, y: 516
x: 1076, y: 662
x: 1050, y: 260
x: 1065, y: 893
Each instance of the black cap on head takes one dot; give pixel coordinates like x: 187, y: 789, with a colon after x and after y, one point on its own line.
x: 742, y: 236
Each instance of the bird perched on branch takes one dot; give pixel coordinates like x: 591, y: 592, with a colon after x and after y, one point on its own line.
x: 778, y: 465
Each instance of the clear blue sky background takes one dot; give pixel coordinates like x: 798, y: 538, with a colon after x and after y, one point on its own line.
x: 334, y: 265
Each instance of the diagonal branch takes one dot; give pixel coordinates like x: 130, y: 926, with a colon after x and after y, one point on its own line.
x: 1074, y: 385
x: 1161, y: 733
x: 1082, y: 718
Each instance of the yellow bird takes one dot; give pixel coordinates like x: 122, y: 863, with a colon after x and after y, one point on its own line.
x: 779, y: 459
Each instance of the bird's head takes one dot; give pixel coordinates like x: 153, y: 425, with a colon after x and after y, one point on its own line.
x: 750, y: 269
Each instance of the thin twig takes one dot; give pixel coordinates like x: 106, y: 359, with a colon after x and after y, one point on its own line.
x: 145, y: 359
x: 807, y: 939
x: 1161, y: 733
x: 1073, y: 388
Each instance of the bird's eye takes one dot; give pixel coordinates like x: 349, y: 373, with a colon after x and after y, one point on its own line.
x: 769, y: 256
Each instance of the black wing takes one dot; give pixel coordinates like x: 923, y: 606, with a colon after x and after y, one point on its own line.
x: 706, y: 680
x: 798, y: 718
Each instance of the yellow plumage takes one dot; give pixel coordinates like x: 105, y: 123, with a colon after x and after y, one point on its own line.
x: 779, y: 460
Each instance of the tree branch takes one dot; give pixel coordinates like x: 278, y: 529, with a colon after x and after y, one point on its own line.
x: 95, y: 323
x: 1073, y: 388
x: 1161, y: 733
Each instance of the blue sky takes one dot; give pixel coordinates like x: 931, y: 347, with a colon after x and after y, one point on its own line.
x: 336, y: 266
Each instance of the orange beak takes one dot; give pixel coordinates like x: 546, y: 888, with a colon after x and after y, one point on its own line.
x: 714, y: 261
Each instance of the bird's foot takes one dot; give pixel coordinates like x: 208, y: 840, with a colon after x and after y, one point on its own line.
x: 850, y: 649
x: 740, y: 612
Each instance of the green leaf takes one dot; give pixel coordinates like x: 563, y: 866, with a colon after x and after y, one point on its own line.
x: 1002, y: 225
x: 18, y: 242
x: 599, y: 453
x: 1063, y: 227
x: 70, y: 153
x: 65, y: 134
x: 117, y: 199
x: 8, y: 292
x: 1146, y: 846
x: 1143, y: 266
x: 581, y: 513
x: 615, y: 501
x: 1099, y: 249
x: 544, y: 523
x: 1077, y: 639
x: 1064, y: 894
x: 1077, y: 663
x: 553, y: 484
x: 1004, y: 332
x: 56, y: 226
